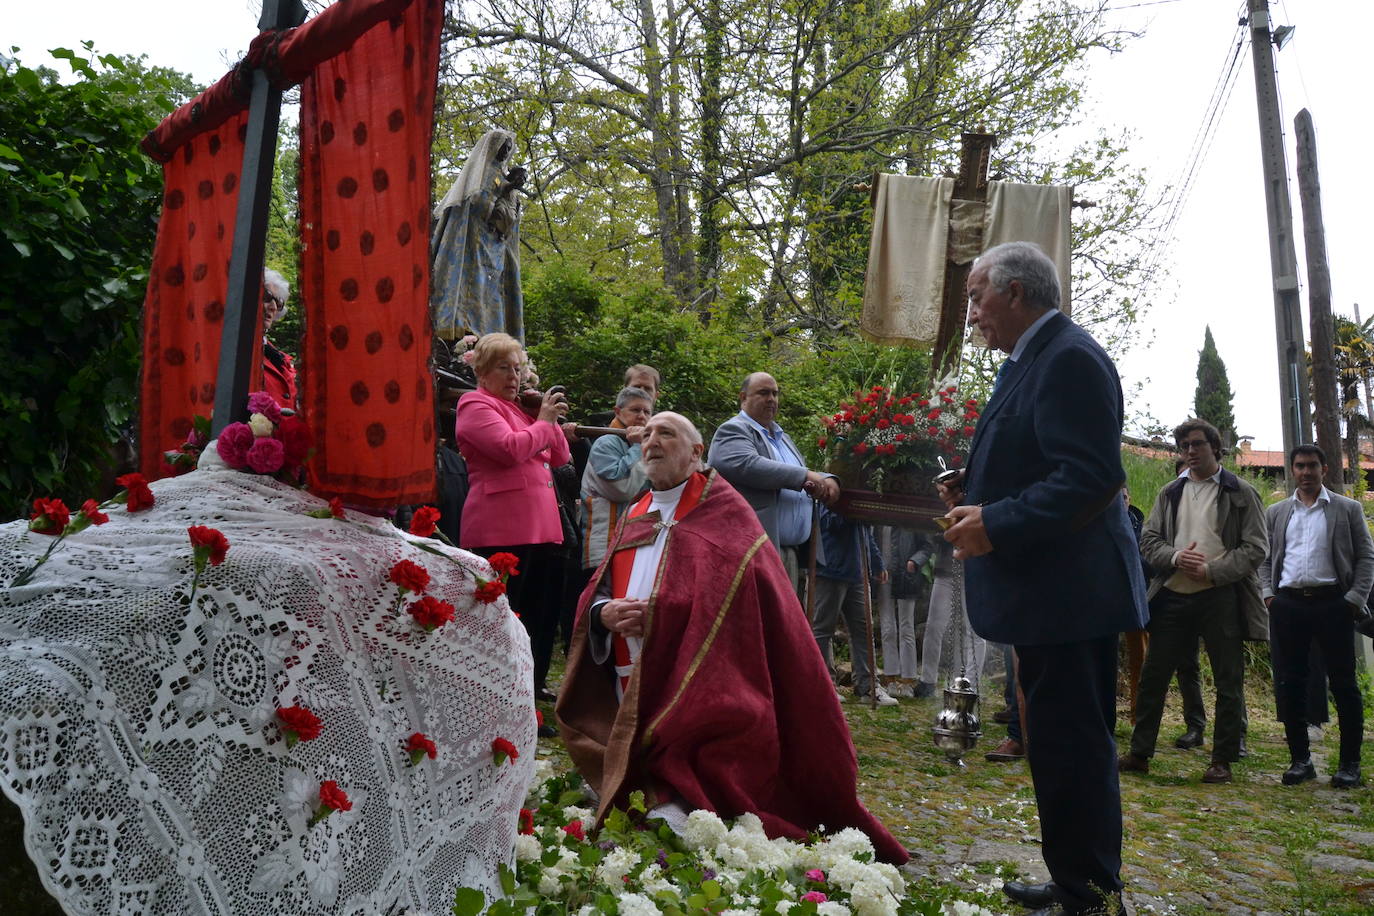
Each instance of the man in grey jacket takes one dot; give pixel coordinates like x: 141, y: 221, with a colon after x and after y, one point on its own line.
x: 1316, y: 577
x: 1204, y: 541
x: 762, y: 462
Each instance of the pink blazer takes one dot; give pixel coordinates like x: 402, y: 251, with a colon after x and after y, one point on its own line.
x: 511, y: 498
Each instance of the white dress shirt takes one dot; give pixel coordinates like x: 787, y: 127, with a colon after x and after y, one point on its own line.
x: 1307, y: 559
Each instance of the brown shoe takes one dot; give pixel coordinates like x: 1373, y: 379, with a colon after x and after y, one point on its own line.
x: 1008, y: 750
x: 1219, y: 771
x: 1130, y: 763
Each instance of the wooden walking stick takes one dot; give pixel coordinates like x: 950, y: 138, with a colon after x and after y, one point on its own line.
x: 811, y: 562
x: 868, y: 617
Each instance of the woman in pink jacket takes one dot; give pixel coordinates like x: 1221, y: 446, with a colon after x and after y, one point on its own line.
x: 511, y: 504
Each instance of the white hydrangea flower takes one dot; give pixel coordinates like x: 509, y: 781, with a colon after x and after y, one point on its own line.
x: 527, y: 848
x: 574, y: 813
x: 549, y: 885
x: 831, y: 908
x: 615, y: 866
x: 587, y: 910
x: 733, y: 856
x: 655, y: 881
x: 964, y: 908
x: 703, y: 830
x: 260, y: 425
x: 749, y: 823
x: 636, y: 905
x: 873, y: 900
x: 748, y: 911
x: 895, y: 882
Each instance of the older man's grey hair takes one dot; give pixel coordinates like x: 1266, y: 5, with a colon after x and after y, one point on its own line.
x: 631, y: 394
x: 1027, y: 264
x: 276, y: 285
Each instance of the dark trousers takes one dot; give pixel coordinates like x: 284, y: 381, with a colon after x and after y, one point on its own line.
x: 1177, y: 621
x: 533, y: 594
x: 1295, y: 624
x: 1070, y: 694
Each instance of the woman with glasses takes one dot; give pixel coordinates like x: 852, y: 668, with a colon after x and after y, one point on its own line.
x: 278, y: 371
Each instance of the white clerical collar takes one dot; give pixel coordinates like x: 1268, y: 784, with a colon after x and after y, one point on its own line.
x: 1024, y: 340
x: 1323, y: 497
x: 670, y: 496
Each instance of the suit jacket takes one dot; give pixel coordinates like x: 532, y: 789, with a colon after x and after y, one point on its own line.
x: 1045, y: 465
x: 1352, y: 549
x: 1241, y: 525
x: 742, y: 456
x: 511, y: 499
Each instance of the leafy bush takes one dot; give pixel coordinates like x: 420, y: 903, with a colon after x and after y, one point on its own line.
x: 78, y: 206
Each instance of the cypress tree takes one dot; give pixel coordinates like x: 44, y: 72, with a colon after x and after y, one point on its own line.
x: 1212, y: 401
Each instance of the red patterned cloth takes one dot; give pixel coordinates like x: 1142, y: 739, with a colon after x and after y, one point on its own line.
x: 366, y: 387
x: 183, y: 311
x: 369, y: 68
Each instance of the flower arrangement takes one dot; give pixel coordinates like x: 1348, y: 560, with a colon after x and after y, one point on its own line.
x: 272, y: 442
x: 879, y: 434
x: 634, y: 865
x: 51, y: 517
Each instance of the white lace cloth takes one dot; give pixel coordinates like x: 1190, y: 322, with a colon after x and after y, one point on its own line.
x: 139, y: 733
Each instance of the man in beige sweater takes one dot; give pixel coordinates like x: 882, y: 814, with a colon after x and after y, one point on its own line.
x: 1205, y: 539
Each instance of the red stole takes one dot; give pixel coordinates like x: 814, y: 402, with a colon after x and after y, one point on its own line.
x: 623, y: 560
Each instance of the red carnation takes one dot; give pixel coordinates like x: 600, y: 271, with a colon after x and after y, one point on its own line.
x: 820, y: 442
x: 933, y: 431
x: 934, y: 414
x: 50, y: 516
x: 299, y: 724
x: 332, y: 799
x: 424, y: 521
x: 489, y: 591
x: 209, y: 544
x: 538, y: 717
x: 429, y: 612
x: 336, y: 508
x: 419, y: 746
x: 968, y: 431
x: 296, y: 439
x: 409, y: 576
x: 501, y: 749
x: 504, y: 563
x: 526, y: 821
x: 861, y: 448
x: 91, y: 509
x: 900, y: 437
x: 574, y: 830
x: 137, y: 495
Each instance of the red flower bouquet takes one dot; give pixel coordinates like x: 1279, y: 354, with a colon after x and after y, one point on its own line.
x: 879, y: 435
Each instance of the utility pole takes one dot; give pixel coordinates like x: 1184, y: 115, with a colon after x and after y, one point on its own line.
x: 1324, y: 395
x: 1283, y: 258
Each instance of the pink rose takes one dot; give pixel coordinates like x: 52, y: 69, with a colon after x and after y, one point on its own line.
x: 815, y: 874
x: 266, y: 455
x: 814, y: 897
x: 263, y: 403
x: 234, y: 443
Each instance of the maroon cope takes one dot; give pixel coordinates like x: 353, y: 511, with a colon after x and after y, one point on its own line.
x: 730, y: 707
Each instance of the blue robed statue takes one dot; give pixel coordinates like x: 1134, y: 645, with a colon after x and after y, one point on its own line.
x: 475, y: 251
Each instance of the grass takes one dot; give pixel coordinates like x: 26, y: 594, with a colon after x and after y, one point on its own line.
x: 1249, y: 847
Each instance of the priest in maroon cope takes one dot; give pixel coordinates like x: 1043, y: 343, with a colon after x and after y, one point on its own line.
x: 693, y: 675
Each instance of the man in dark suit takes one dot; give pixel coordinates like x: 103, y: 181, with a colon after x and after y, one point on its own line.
x: 1051, y: 563
x: 1314, y: 580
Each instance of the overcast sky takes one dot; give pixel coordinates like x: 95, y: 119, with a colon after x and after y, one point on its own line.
x: 1158, y: 89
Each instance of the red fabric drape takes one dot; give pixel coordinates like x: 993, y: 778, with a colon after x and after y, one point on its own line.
x: 183, y: 311
x: 366, y: 125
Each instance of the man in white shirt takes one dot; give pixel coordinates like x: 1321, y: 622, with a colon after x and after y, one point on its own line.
x: 1315, y: 579
x: 1204, y: 540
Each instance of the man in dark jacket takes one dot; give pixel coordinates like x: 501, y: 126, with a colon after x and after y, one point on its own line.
x: 1204, y: 541
x: 839, y: 590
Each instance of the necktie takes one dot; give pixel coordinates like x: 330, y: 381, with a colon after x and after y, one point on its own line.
x: 1001, y: 371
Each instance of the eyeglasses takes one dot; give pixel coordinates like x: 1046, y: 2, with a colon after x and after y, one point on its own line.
x: 1190, y: 444
x: 269, y: 299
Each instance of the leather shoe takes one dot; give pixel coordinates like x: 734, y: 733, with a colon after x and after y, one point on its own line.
x: 1010, y: 749
x: 1130, y: 763
x: 1347, y: 776
x: 1299, y: 771
x: 544, y: 695
x: 1033, y: 895
x: 1219, y: 771
x: 1188, y: 740
x: 1244, y: 751
x: 1002, y: 716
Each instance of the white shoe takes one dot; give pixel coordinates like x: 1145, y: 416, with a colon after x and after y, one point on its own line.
x: 883, y: 698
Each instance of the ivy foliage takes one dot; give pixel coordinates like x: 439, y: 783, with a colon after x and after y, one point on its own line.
x: 78, y: 205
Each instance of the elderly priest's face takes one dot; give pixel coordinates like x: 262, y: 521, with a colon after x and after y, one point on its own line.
x: 672, y: 450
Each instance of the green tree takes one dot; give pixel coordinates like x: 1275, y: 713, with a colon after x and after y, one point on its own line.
x: 1354, y: 345
x: 1212, y: 401
x: 79, y: 203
